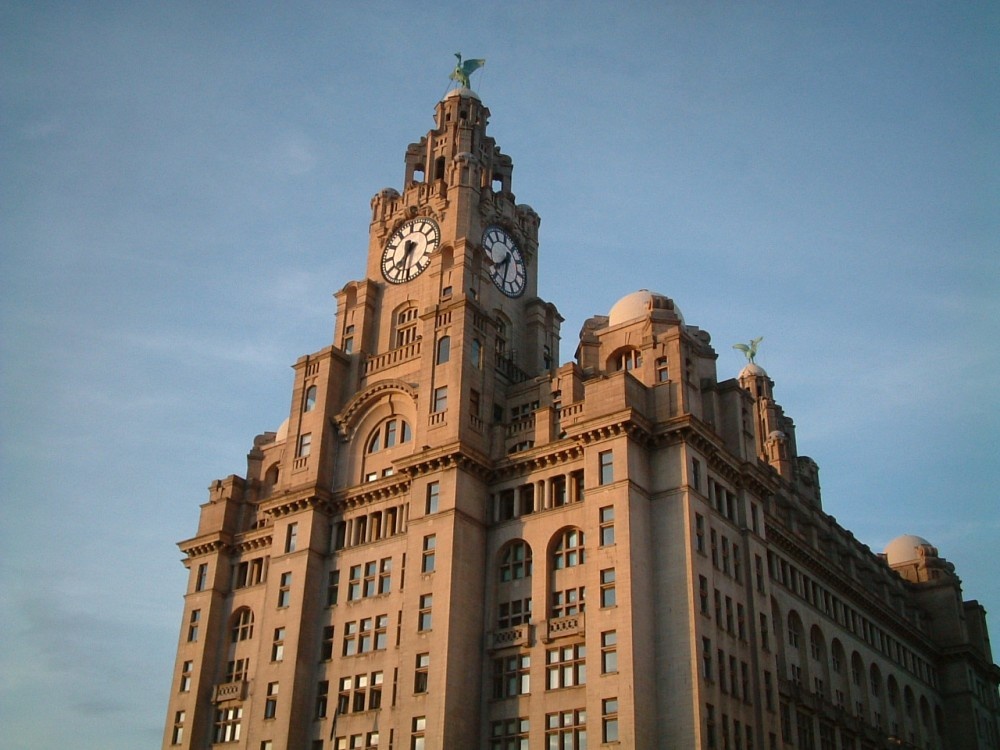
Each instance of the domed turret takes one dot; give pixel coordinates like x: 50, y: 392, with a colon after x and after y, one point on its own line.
x: 908, y: 548
x: 638, y: 305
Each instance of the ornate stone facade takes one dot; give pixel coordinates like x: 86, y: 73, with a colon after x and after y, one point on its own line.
x: 454, y: 542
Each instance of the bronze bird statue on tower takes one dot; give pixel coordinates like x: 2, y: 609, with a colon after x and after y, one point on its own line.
x: 464, y: 69
x: 750, y: 350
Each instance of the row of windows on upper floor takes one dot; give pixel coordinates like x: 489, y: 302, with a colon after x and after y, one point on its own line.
x: 864, y: 691
x: 816, y: 594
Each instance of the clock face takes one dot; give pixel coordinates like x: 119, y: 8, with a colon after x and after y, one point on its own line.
x: 408, y: 251
x: 507, y: 267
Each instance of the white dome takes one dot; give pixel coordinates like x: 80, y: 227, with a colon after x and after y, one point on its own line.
x: 753, y: 370
x: 638, y: 305
x: 904, y: 549
x: 282, y: 432
x: 464, y: 92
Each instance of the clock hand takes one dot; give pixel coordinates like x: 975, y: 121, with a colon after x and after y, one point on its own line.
x: 404, y: 262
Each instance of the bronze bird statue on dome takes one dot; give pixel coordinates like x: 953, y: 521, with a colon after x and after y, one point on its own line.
x: 750, y: 350
x: 464, y: 69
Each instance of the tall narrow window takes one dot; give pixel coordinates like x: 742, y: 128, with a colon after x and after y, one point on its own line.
x: 609, y: 652
x: 419, y: 726
x: 201, y: 581
x: 348, y: 346
x: 606, y: 460
x: 443, y: 349
x: 421, y: 674
x: 609, y: 719
x: 186, y: 670
x: 608, y: 597
x: 193, y: 623
x: 424, y: 619
x: 177, y: 736
x: 285, y: 590
x: 662, y: 371
x: 433, y: 497
x: 607, y: 520
x: 310, y: 399
x: 278, y: 645
x: 440, y: 399
x: 271, y: 701
x: 291, y: 537
x: 427, y: 563
x: 476, y: 353
x: 305, y: 445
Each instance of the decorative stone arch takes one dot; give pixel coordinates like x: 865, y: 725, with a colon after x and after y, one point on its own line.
x: 859, y: 680
x: 363, y: 414
x: 566, y: 579
x: 627, y: 357
x: 820, y: 662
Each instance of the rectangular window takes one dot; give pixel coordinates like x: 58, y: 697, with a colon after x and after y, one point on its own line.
x: 703, y: 594
x: 606, y: 462
x: 608, y: 597
x: 609, y: 719
x: 565, y: 666
x: 758, y: 565
x: 421, y: 674
x: 513, y: 613
x: 424, y: 614
x: 418, y: 727
x: 278, y: 645
x: 710, y: 725
x: 385, y: 575
x: 186, y: 669
x: 699, y: 533
x: 607, y: 520
x: 715, y: 548
x: 696, y: 474
x: 440, y: 399
x: 706, y: 658
x: 765, y: 637
x: 285, y: 590
x: 509, y: 734
x: 609, y: 652
x: 427, y: 561
x: 768, y: 691
x: 177, y: 736
x: 201, y: 581
x: 193, y: 624
x: 322, y: 696
x: 474, y: 402
x: 227, y: 724
x: 326, y: 646
x: 566, y: 730
x: 305, y: 445
x: 332, y: 587
x: 741, y: 622
x: 511, y: 676
x: 271, y: 701
x: 291, y: 537
x: 568, y: 602
x: 433, y: 495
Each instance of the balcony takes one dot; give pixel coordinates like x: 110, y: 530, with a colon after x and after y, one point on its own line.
x: 519, y: 635
x: 230, y: 691
x: 561, y: 627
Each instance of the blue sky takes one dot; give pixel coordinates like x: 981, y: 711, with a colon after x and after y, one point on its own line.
x: 186, y: 184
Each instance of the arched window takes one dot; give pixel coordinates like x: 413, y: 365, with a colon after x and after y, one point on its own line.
x: 515, y: 561
x: 443, y: 350
x: 628, y: 358
x: 310, y: 399
x: 569, y: 550
x: 392, y: 432
x: 242, y: 625
x: 876, y: 681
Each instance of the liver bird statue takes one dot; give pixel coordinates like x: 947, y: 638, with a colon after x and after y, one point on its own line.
x: 464, y: 69
x: 750, y: 350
